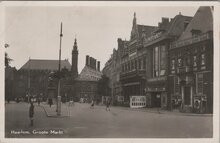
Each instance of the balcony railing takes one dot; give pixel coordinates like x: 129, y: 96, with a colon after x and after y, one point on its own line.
x: 192, y: 40
x: 155, y: 79
x: 135, y: 72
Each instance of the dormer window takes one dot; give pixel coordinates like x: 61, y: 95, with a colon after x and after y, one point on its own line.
x: 186, y: 23
x: 195, y: 32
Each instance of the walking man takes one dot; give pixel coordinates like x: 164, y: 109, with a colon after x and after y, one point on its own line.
x: 31, y: 114
x: 108, y: 105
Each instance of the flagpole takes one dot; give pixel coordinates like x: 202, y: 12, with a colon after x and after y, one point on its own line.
x: 58, y: 90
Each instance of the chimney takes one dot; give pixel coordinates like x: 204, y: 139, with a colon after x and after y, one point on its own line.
x: 87, y: 60
x: 98, y: 65
x: 95, y: 64
x: 90, y: 61
x: 165, y: 20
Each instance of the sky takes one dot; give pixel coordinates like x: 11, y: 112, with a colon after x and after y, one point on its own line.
x: 33, y: 31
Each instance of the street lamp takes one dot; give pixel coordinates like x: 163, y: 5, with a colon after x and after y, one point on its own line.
x: 58, y: 88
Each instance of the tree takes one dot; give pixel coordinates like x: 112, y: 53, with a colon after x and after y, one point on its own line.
x: 7, y: 58
x: 103, y: 86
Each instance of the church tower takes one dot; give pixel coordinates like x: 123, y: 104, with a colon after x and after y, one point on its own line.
x: 74, y: 68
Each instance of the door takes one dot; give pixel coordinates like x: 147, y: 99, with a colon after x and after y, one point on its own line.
x: 187, y: 95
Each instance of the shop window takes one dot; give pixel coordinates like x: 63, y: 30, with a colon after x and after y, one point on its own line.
x: 162, y: 72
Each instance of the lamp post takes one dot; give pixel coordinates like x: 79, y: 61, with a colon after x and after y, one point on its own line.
x: 58, y: 88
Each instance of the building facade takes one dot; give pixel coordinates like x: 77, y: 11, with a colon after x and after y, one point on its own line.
x: 32, y: 77
x: 133, y: 62
x: 112, y: 71
x: 191, y: 66
x: 157, y: 52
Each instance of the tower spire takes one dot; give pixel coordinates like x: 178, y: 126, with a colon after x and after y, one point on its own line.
x: 134, y: 19
x: 74, y: 68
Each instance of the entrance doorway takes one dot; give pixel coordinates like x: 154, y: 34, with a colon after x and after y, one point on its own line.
x: 156, y: 99
x: 187, y: 95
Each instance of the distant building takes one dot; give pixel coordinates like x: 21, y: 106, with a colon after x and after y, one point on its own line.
x: 84, y: 86
x: 191, y: 66
x: 112, y: 71
x: 32, y: 77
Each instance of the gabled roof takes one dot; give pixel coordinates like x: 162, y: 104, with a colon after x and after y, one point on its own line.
x: 176, y: 25
x: 38, y: 64
x: 89, y: 74
x: 202, y: 20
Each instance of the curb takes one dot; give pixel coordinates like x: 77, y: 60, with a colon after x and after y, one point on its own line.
x: 167, y: 113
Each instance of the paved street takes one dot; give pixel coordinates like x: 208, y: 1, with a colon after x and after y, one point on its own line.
x: 84, y: 122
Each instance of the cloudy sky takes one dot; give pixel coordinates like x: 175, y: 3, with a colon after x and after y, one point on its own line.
x: 33, y: 31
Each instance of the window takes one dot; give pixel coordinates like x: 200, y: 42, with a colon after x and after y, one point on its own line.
x: 200, y: 83
x: 132, y: 65
x: 159, y: 61
x: 156, y: 61
x: 203, y: 59
x: 179, y: 62
x: 194, y: 61
x: 135, y: 64
x: 173, y: 64
x: 139, y: 63
x: 163, y: 57
x: 144, y: 64
x: 187, y: 60
x: 129, y: 66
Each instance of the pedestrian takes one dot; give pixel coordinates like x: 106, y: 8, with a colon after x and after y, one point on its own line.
x: 50, y: 101
x: 108, y: 105
x: 92, y: 105
x: 38, y: 101
x: 31, y: 114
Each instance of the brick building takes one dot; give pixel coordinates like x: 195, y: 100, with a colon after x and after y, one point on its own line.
x: 191, y: 66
